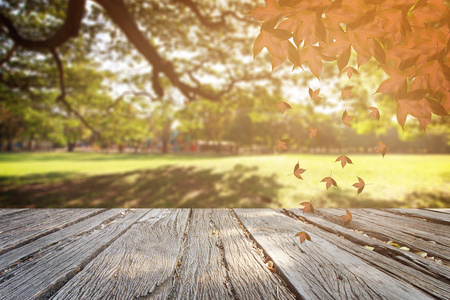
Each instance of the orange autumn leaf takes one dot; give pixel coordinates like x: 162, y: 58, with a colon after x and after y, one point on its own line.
x: 314, y: 94
x: 311, y: 54
x: 346, y: 92
x: 307, y: 207
x: 329, y: 182
x: 381, y: 148
x: 313, y: 132
x: 303, y: 236
x: 347, y: 218
x: 282, y: 144
x: 416, y: 104
x: 270, y: 12
x: 344, y: 160
x: 298, y: 171
x: 374, y: 113
x: 346, y: 119
x: 282, y: 106
x: 350, y: 71
x: 359, y: 185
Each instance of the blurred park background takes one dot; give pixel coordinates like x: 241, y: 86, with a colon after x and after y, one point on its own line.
x: 121, y: 132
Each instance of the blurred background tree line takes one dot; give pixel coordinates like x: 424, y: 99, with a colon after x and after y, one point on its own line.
x: 191, y: 86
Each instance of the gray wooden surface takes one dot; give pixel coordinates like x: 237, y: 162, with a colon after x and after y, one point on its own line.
x: 224, y: 254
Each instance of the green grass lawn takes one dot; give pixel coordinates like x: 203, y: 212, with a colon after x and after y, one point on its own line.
x: 138, y: 180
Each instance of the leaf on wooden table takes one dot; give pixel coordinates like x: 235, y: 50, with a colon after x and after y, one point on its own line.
x: 393, y: 244
x: 307, y: 207
x: 347, y: 217
x: 369, y: 247
x: 303, y: 236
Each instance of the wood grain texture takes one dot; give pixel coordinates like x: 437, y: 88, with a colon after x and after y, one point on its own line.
x: 8, y: 211
x: 440, y: 210
x: 432, y: 216
x: 141, y: 263
x: 415, y: 234
x: 52, y: 267
x: 320, y: 269
x: 10, y: 258
x: 24, y: 227
x: 420, y: 272
x: 220, y: 262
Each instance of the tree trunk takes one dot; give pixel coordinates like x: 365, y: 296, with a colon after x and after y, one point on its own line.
x: 9, y: 146
x: 70, y: 146
x: 30, y: 142
x: 165, y: 146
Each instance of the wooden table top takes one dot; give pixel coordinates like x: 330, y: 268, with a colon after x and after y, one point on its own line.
x: 224, y: 254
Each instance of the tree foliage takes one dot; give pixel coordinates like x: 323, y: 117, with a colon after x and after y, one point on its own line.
x: 408, y: 39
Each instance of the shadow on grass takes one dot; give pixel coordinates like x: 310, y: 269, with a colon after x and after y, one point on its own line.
x: 168, y: 186
x: 89, y: 156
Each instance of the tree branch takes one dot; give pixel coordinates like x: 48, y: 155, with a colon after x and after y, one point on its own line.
x: 69, y: 29
x: 118, y: 12
x: 134, y: 93
x: 8, y: 55
x: 62, y: 96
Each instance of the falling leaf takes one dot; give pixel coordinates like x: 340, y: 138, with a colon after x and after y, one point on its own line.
x: 313, y: 133
x: 381, y: 148
x: 344, y: 160
x: 374, y: 113
x: 329, y: 182
x: 347, y: 218
x: 314, y: 94
x: 346, y: 92
x: 359, y: 185
x: 350, y: 71
x: 346, y: 119
x: 282, y: 106
x: 298, y: 171
x: 282, y: 144
x: 303, y: 236
x: 307, y: 207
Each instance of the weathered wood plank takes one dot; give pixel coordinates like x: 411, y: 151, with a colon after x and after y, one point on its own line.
x: 220, y: 263
x: 49, y: 269
x: 24, y: 227
x: 414, y: 226
x: 420, y: 272
x: 440, y: 210
x: 387, y: 228
x: 320, y: 269
x: 10, y: 258
x: 431, y: 216
x: 7, y: 211
x: 141, y: 263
